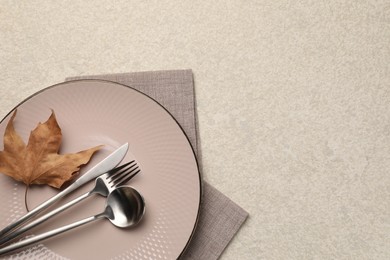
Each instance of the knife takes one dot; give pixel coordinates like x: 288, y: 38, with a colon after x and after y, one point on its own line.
x: 102, y: 167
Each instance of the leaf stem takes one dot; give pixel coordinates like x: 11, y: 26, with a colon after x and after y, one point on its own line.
x: 25, y: 198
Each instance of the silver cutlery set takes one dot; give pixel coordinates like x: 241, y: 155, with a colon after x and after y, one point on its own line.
x: 124, y: 206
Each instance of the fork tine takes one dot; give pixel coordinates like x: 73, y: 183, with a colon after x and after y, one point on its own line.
x: 125, y: 172
x: 117, y: 169
x: 120, y: 170
x: 126, y: 176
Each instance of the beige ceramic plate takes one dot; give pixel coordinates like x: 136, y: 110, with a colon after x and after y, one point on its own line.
x: 92, y: 112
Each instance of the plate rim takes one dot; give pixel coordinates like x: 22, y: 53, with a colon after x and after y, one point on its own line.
x: 61, y: 84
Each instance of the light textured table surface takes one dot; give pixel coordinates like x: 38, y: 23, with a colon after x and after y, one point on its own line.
x: 293, y: 102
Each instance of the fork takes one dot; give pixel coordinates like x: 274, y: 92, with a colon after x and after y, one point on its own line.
x: 104, y: 184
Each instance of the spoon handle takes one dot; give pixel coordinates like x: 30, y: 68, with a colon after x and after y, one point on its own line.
x: 37, y: 210
x: 43, y: 218
x: 43, y: 236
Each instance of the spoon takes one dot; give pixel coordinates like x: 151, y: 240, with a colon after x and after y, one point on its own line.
x: 125, y: 207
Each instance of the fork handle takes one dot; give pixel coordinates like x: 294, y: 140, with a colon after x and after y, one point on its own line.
x: 43, y: 218
x: 43, y: 236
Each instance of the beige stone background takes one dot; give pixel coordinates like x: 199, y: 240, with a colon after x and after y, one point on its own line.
x: 293, y: 103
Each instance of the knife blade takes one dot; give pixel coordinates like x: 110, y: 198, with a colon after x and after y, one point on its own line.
x: 104, y: 166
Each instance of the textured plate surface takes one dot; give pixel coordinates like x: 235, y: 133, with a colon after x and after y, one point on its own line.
x: 92, y: 112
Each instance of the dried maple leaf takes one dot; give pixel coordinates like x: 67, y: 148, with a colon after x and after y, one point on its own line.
x: 38, y: 162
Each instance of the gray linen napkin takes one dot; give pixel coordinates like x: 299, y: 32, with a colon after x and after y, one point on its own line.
x: 220, y: 218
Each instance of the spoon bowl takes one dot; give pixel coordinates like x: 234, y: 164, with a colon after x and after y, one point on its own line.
x: 125, y: 207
